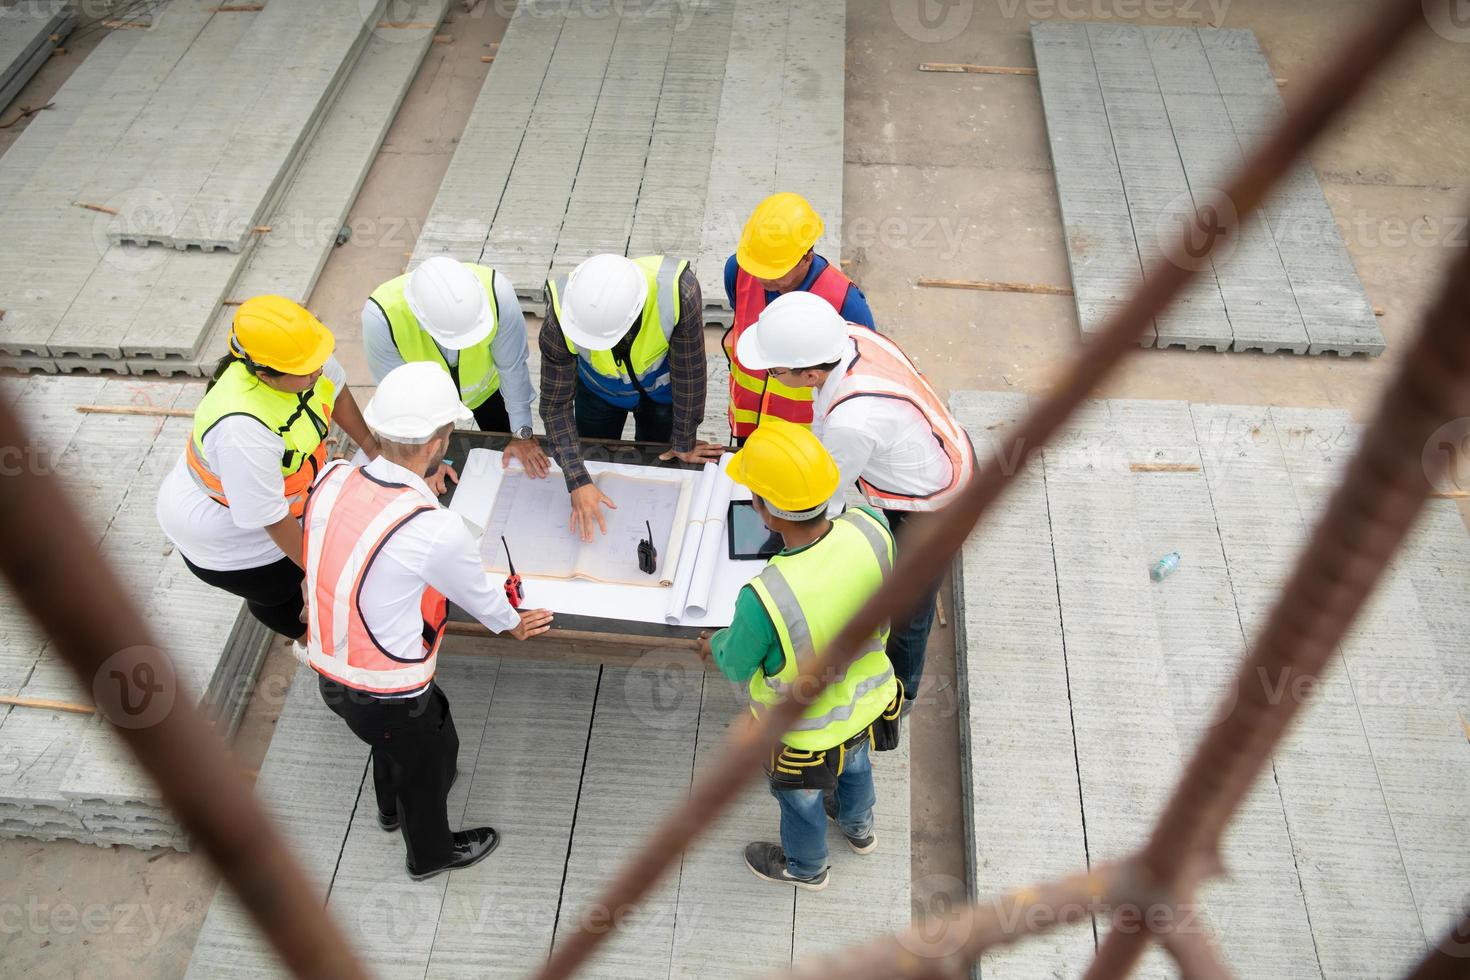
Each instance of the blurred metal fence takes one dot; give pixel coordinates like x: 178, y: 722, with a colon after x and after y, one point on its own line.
x: 56, y: 571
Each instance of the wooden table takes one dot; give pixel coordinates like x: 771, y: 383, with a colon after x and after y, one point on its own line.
x: 610, y: 640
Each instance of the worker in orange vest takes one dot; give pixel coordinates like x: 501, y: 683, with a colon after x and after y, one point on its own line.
x: 884, y: 424
x: 383, y: 559
x: 775, y: 257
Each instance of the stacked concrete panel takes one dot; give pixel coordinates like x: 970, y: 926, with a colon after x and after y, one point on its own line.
x: 572, y: 764
x: 1085, y: 684
x: 81, y: 303
x: 29, y: 33
x: 644, y: 133
x: 65, y: 774
x: 1147, y: 125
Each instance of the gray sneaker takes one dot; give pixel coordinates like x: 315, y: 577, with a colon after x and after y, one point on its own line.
x: 862, y: 845
x: 767, y: 861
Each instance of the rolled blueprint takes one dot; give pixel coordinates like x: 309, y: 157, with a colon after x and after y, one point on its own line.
x: 689, y: 552
x: 711, y: 543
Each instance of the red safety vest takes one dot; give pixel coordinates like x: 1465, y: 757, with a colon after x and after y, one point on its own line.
x: 349, y: 518
x: 882, y: 370
x: 753, y: 394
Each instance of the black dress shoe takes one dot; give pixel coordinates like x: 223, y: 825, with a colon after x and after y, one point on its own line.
x: 389, y: 821
x: 470, y: 847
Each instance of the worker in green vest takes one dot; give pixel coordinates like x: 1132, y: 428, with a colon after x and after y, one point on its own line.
x: 622, y: 336
x: 784, y: 620
x: 466, y: 319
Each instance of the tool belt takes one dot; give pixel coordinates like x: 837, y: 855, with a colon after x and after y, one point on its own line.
x: 790, y: 768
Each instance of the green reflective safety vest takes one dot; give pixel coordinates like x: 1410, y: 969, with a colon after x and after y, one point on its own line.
x: 301, y: 420
x: 649, y: 357
x: 810, y: 596
x: 475, y: 374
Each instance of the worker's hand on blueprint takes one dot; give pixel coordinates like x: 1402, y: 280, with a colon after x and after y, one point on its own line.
x: 439, y: 480
x: 587, y: 504
x: 703, y: 452
x: 532, y: 459
x: 533, y: 622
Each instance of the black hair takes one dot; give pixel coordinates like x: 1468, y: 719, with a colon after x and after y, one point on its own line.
x: 251, y: 366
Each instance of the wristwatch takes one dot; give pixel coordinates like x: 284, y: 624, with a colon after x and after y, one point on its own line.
x: 524, y: 432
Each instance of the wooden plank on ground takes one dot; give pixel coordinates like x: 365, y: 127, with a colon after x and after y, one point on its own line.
x: 498, y: 918
x: 1154, y: 182
x: 309, y: 784
x: 528, y: 221
x: 604, y: 196
x: 678, y: 166
x: 1101, y: 248
x: 639, y: 761
x: 1258, y: 297
x: 472, y: 188
x: 1334, y: 308
x: 1405, y: 702
x: 1015, y: 715
x: 1363, y: 917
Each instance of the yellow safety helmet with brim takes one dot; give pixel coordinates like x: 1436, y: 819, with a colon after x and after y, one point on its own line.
x: 781, y: 229
x: 277, y: 333
x: 788, y: 468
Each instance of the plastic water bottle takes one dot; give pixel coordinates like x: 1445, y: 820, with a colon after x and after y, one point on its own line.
x: 1164, y: 567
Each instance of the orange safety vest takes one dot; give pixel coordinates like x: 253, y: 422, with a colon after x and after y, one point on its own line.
x: 754, y: 394
x: 349, y: 518
x: 882, y: 370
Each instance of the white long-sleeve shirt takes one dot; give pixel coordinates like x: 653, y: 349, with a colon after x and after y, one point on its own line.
x: 885, y: 441
x: 433, y: 548
x: 509, y: 350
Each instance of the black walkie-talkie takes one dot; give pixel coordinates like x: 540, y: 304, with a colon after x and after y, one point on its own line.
x: 647, y: 553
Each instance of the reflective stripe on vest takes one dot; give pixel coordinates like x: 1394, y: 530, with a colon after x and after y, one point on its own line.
x: 649, y: 357
x: 882, y: 370
x: 810, y: 596
x: 349, y: 518
x: 301, y: 420
x: 475, y: 371
x: 754, y: 394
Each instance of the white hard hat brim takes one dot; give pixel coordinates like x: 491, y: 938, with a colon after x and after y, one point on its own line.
x: 482, y: 330
x: 587, y: 340
x: 418, y: 429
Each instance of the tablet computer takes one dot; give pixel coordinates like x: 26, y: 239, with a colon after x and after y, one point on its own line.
x: 749, y: 539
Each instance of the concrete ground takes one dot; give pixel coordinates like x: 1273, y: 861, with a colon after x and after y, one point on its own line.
x: 947, y: 175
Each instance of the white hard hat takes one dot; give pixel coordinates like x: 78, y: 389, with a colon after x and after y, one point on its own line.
x: 450, y: 302
x: 604, y: 295
x: 798, y: 330
x: 413, y: 402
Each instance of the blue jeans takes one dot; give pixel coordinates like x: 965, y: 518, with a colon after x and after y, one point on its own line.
x: 598, y: 418
x: 908, y: 639
x: 804, y: 822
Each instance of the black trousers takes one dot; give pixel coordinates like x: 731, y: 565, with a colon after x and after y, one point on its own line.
x: 491, y: 414
x: 598, y: 418
x: 415, y: 750
x: 272, y: 592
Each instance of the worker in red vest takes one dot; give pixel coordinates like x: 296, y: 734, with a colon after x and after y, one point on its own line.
x: 383, y: 559
x: 775, y: 256
x: 884, y: 424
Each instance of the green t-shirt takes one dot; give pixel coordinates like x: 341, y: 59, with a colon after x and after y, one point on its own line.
x: 750, y: 642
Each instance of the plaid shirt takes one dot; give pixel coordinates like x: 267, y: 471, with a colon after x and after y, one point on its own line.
x: 687, y: 376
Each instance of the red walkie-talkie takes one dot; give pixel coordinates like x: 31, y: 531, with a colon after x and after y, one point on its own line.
x: 513, y: 593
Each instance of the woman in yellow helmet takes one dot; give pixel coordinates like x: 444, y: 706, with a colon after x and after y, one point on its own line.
x: 233, y: 504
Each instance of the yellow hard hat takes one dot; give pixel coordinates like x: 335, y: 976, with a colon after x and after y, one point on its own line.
x: 275, y: 332
x: 787, y: 467
x: 781, y: 229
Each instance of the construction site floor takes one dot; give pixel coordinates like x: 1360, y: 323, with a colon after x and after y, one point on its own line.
x: 947, y: 176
